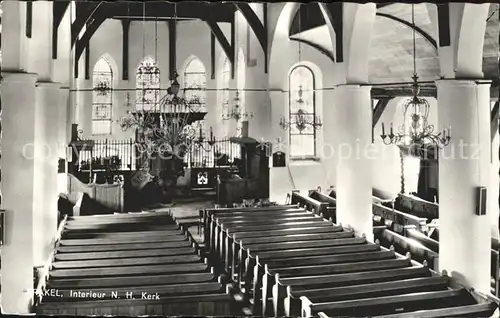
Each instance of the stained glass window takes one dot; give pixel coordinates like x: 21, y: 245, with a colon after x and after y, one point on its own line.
x: 195, y: 84
x: 102, y: 98
x: 302, y: 143
x: 147, y: 84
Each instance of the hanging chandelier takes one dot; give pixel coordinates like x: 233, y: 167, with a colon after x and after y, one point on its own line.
x: 301, y: 120
x: 236, y: 112
x: 165, y: 126
x: 418, y: 132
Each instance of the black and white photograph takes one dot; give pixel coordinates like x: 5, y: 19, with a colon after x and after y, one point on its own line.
x: 250, y: 159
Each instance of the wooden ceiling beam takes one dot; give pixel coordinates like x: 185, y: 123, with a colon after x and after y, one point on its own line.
x: 223, y: 41
x: 253, y: 21
x: 494, y: 119
x: 379, y: 109
x: 424, y: 34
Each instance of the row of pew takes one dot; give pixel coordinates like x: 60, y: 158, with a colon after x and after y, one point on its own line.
x: 132, y: 264
x: 291, y: 261
x: 407, y: 231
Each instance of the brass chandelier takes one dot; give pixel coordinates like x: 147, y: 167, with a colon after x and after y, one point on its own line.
x: 419, y: 132
x: 165, y: 126
x: 236, y: 112
x: 301, y: 120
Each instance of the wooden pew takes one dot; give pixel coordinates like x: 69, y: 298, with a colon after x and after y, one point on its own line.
x: 477, y: 310
x: 211, y: 304
x: 251, y: 222
x: 399, y: 219
x: 417, y: 206
x: 434, y: 246
x: 264, y: 263
x: 330, y: 211
x: 241, y: 252
x: 124, y: 281
x: 326, y: 267
x: 238, y: 254
x: 394, y: 219
x: 163, y: 291
x: 310, y: 204
x: 223, y: 240
x: 205, y: 215
x: 352, y: 292
x: 184, y: 282
x: 210, y: 226
x: 285, y: 302
x: 424, y: 239
x: 403, y: 244
x: 386, y: 305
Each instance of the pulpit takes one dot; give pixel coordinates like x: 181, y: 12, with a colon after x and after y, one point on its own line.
x: 252, y: 180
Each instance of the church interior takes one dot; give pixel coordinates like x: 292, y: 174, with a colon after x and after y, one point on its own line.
x: 192, y: 158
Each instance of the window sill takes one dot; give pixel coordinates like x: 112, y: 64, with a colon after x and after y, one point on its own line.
x: 304, y: 161
x: 305, y: 158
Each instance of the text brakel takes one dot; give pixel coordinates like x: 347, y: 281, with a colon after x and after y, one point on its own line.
x: 149, y: 296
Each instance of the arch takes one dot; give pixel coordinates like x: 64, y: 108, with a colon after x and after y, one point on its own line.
x: 470, y: 39
x: 302, y: 99
x: 147, y: 84
x: 195, y: 81
x: 102, y: 97
x: 112, y: 64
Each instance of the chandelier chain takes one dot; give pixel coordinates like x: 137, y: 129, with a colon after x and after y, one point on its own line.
x: 418, y: 132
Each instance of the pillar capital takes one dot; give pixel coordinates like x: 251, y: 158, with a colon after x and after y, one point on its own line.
x: 354, y: 87
x: 19, y: 77
x: 445, y: 83
x: 48, y: 85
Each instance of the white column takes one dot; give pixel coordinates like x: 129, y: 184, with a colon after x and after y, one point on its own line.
x: 18, y: 119
x: 84, y: 108
x: 326, y: 149
x: 40, y: 45
x: 493, y: 187
x: 281, y: 180
x: 354, y: 171
x: 45, y: 155
x: 464, y: 237
x: 62, y: 136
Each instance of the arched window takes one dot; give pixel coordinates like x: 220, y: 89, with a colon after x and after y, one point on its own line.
x: 147, y: 84
x: 241, y: 88
x: 302, y: 100
x: 102, y: 100
x: 195, y: 84
x: 225, y: 78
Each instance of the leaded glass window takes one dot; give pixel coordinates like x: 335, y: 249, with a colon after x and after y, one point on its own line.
x: 102, y: 100
x: 302, y: 86
x: 195, y: 82
x: 147, y: 85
